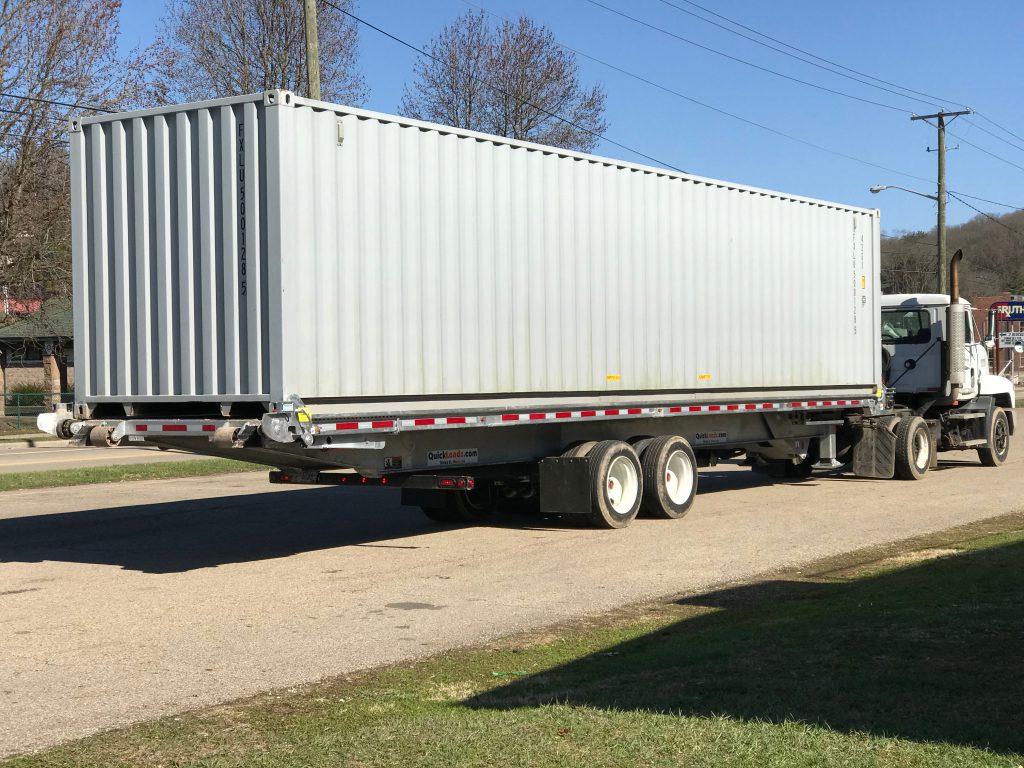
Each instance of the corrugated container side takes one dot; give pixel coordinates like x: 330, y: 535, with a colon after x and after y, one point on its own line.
x: 170, y: 255
x: 444, y: 265
x: 258, y: 247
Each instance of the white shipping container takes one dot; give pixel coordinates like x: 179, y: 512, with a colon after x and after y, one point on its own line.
x: 267, y: 246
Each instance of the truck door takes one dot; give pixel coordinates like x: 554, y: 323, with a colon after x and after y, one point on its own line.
x: 975, y: 358
x: 911, y: 343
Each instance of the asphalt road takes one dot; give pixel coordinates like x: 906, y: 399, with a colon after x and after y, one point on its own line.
x: 125, y: 602
x: 56, y: 454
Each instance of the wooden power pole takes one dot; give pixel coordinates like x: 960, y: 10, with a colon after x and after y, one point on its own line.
x: 312, y: 50
x: 941, y: 267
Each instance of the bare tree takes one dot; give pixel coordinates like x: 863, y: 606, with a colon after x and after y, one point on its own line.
x: 54, y: 54
x: 211, y: 48
x: 514, y: 80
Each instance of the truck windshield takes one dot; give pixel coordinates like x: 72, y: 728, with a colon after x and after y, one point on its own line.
x: 901, y: 326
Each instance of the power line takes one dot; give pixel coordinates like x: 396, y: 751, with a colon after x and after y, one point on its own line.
x: 726, y: 113
x: 994, y: 135
x: 987, y: 216
x: 997, y: 125
x: 502, y: 91
x: 787, y: 77
x: 990, y: 202
x: 982, y: 149
x: 744, y: 61
x: 933, y: 99
x: 55, y: 103
x: 784, y: 52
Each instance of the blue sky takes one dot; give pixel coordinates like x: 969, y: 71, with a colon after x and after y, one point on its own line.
x: 950, y: 49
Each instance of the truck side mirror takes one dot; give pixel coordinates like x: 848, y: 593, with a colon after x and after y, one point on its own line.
x: 989, y: 342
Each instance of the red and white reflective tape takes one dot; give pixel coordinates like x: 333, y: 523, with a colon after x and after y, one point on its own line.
x: 376, y: 425
x: 188, y: 427
x: 538, y: 417
x: 599, y: 413
x: 441, y: 421
x: 740, y: 407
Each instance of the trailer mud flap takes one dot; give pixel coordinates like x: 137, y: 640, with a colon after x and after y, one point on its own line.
x: 874, y: 454
x: 565, y: 486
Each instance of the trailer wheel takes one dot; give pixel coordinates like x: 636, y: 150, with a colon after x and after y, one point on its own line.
x: 669, y: 471
x: 913, y: 448
x: 994, y: 453
x: 579, y: 450
x: 475, y: 506
x: 616, y: 484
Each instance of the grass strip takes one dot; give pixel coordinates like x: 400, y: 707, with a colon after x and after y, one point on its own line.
x: 907, y: 658
x: 163, y: 470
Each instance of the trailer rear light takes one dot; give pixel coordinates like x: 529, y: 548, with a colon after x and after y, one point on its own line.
x: 456, y: 483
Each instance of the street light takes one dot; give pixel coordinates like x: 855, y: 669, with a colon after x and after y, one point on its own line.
x: 940, y: 277
x: 883, y: 187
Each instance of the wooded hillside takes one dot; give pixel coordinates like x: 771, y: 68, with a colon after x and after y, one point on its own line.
x: 993, y: 257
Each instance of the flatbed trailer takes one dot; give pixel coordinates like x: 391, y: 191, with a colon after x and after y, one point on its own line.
x: 357, y: 298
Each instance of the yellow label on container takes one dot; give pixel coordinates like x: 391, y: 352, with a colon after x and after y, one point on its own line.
x: 613, y: 377
x: 704, y: 377
x: 863, y: 282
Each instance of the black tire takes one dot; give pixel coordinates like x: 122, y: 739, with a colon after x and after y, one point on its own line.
x: 475, y: 506
x: 994, y: 453
x: 914, y: 448
x: 445, y: 515
x: 604, y: 460
x: 579, y: 450
x: 655, y: 457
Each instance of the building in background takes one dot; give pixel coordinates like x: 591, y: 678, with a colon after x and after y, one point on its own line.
x: 1004, y: 359
x: 37, y: 349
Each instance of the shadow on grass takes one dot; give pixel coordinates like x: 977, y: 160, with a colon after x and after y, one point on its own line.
x: 930, y: 653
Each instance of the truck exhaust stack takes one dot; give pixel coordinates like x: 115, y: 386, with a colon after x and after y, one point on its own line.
x: 956, y: 324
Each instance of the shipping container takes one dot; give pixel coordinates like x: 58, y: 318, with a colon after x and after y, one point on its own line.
x: 264, y: 247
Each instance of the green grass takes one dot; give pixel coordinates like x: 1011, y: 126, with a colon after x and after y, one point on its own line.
x: 19, y: 481
x: 903, y: 660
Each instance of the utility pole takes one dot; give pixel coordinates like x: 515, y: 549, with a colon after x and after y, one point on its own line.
x: 941, y: 258
x: 312, y: 50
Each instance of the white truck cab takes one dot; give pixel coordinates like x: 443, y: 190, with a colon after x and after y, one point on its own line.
x: 936, y: 364
x: 914, y: 341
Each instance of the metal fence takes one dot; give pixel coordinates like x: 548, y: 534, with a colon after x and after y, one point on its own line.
x: 21, y: 408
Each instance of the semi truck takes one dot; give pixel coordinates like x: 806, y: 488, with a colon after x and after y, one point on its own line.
x: 355, y: 298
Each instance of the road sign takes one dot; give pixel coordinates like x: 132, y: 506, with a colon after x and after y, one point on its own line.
x: 1009, y: 338
x: 1009, y: 310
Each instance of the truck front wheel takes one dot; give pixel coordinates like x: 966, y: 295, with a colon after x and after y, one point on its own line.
x: 994, y: 453
x: 913, y: 448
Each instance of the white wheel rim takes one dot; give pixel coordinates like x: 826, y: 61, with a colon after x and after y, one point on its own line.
x: 921, y: 449
x: 623, y: 485
x: 678, y: 477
